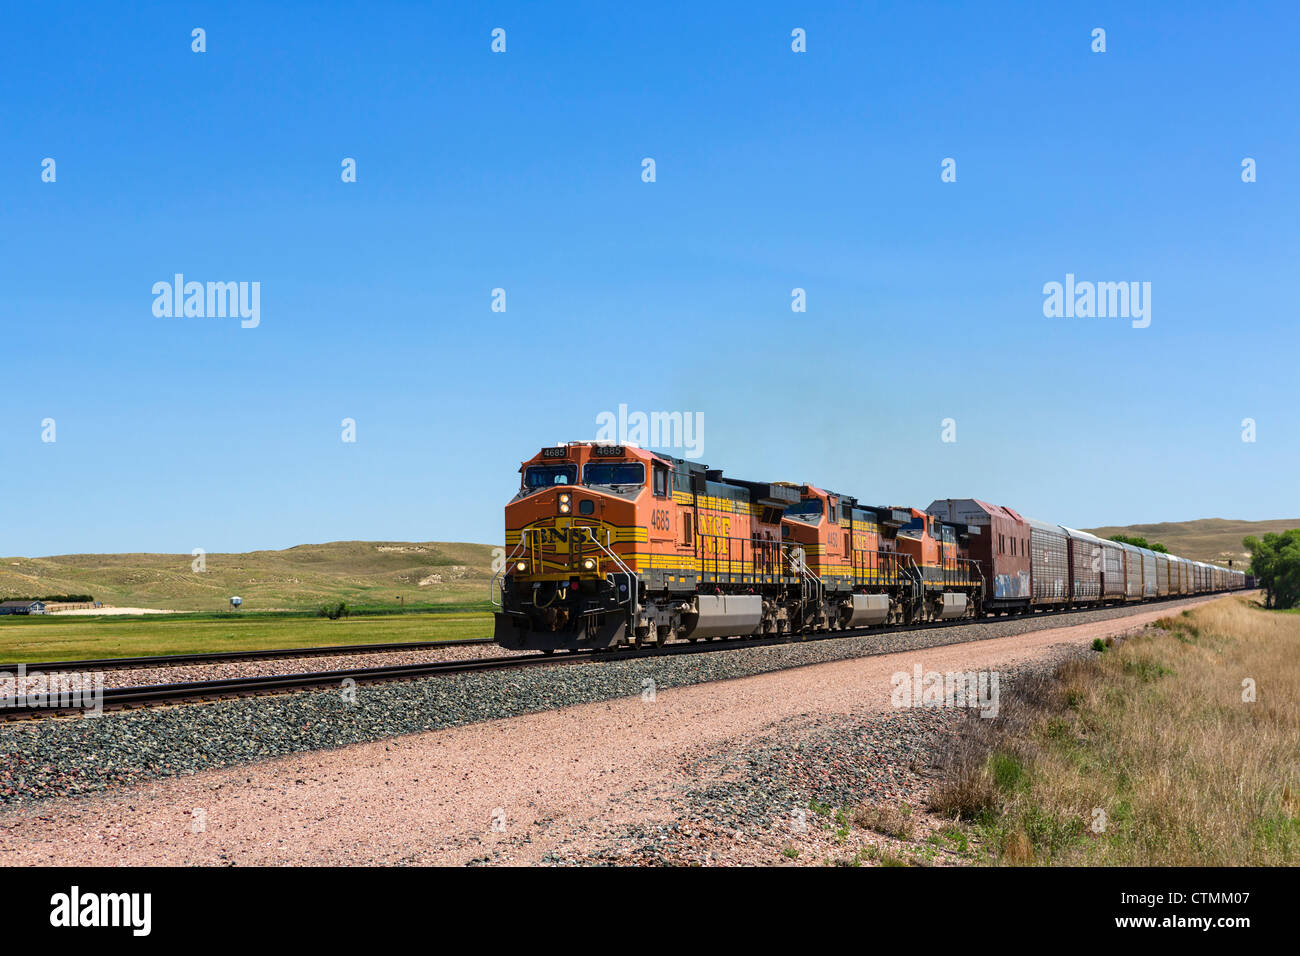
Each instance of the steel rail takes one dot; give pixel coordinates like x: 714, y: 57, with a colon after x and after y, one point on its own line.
x: 218, y: 657
x: 123, y: 697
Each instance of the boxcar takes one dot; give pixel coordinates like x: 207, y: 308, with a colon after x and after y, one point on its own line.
x: 999, y: 542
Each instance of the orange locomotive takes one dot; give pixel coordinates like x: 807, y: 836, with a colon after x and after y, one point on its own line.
x: 876, y: 565
x: 610, y: 545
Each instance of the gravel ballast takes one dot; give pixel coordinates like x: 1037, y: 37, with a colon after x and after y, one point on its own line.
x: 747, y: 802
x: 54, y: 757
x: 258, y: 667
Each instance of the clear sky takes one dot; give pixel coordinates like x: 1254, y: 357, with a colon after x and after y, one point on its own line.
x: 522, y: 170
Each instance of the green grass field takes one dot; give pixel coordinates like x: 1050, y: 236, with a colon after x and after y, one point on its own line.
x: 303, y: 577
x: 34, y: 639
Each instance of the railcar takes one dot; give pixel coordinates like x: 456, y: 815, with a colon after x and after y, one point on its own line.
x: 1093, y: 557
x: 1085, y: 566
x: 999, y: 544
x: 1049, y: 564
x: 1148, y: 573
x: 1161, y: 562
x: 1132, y: 572
x: 1177, y: 575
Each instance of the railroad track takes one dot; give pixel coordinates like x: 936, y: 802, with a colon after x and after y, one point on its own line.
x: 224, y: 657
x: 115, y: 698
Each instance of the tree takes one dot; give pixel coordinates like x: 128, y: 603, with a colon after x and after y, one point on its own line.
x: 1139, y: 543
x: 1275, y: 563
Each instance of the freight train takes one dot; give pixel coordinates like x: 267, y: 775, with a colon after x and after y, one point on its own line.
x: 614, y: 545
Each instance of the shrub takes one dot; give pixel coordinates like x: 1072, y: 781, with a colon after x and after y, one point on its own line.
x: 333, y: 611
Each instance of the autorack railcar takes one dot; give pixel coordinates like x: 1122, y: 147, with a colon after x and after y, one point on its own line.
x: 1049, y: 564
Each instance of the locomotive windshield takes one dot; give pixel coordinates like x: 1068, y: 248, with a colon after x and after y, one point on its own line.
x: 614, y: 473
x: 544, y: 476
x: 808, y: 508
x: 916, y: 527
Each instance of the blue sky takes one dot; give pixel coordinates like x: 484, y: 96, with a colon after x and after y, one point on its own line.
x: 522, y: 171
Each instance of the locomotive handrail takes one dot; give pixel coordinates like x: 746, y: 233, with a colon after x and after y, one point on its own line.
x: 613, y: 556
x: 634, y: 603
x: 957, y: 571
x: 913, y: 573
x: 769, y: 550
x: 886, y: 564
x: 973, y: 572
x: 492, y: 590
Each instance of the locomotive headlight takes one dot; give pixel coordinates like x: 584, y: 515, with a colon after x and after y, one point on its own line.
x: 589, y: 564
x: 564, y: 499
x: 565, y: 506
x: 521, y: 567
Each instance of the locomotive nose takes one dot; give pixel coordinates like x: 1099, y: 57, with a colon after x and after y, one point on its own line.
x: 558, y: 547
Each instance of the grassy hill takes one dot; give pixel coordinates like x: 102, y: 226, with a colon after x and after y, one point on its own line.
x: 1209, y: 539
x: 306, y: 576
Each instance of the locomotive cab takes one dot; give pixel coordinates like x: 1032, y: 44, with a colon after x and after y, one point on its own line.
x: 570, y: 531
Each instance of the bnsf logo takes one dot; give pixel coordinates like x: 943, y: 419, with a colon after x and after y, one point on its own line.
x: 659, y: 520
x: 553, y: 535
x: 715, y: 525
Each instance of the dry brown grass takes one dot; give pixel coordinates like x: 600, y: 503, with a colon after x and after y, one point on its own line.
x: 891, y: 821
x: 1154, y: 734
